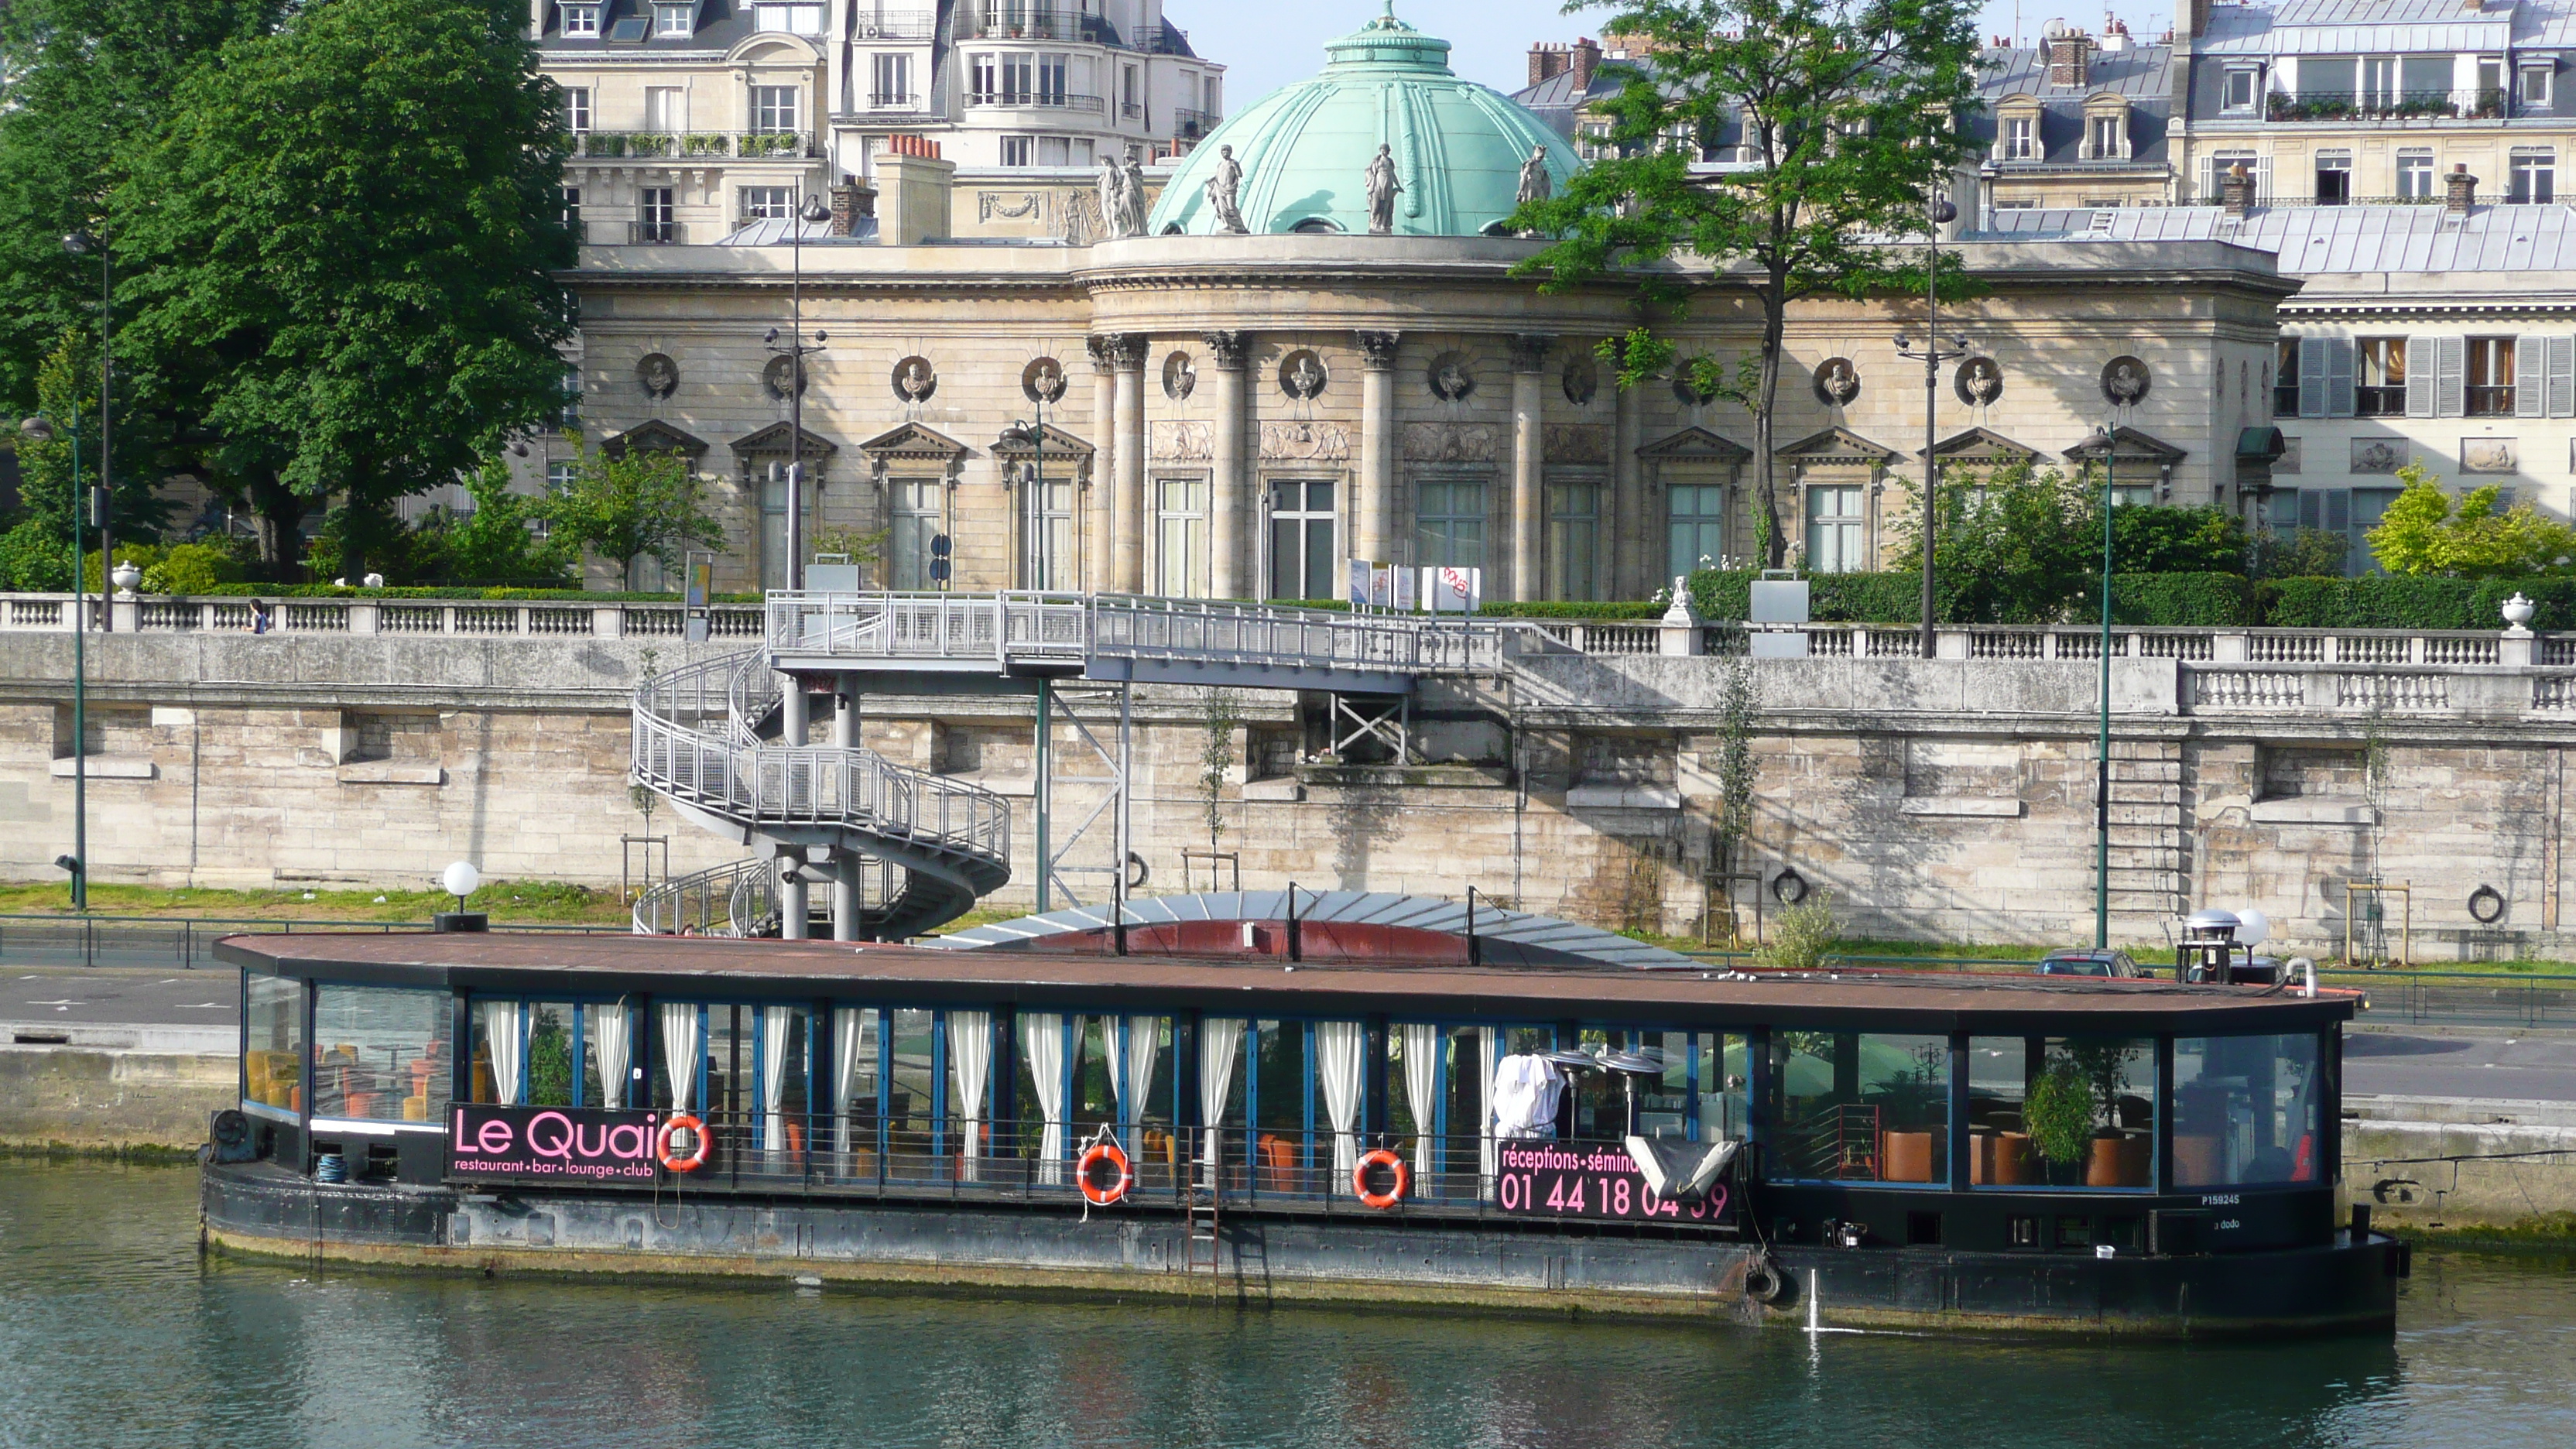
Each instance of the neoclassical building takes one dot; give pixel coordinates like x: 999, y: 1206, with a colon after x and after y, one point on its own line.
x: 1238, y: 415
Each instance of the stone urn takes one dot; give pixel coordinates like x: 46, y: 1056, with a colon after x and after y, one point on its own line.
x: 126, y: 576
x: 2517, y: 614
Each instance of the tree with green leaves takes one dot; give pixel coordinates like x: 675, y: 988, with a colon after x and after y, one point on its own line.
x: 1853, y: 112
x: 2422, y: 534
x: 344, y: 243
x: 634, y: 504
x: 506, y: 539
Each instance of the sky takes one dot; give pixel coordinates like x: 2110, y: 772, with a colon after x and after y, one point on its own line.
x: 1264, y: 46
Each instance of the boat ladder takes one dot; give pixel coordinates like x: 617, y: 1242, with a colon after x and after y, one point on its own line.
x: 1204, y: 1253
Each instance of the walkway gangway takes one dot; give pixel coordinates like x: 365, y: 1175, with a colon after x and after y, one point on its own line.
x: 1125, y: 639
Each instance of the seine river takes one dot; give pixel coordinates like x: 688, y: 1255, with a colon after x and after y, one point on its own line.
x: 113, y: 1332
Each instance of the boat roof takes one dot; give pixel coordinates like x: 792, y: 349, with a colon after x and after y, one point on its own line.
x: 707, y: 968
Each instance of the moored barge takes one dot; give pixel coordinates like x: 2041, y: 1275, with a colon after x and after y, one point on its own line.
x: 1239, y: 1099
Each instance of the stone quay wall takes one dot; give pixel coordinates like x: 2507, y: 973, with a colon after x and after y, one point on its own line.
x: 1945, y: 798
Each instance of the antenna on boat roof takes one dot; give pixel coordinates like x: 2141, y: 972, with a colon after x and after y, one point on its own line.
x: 1475, y: 948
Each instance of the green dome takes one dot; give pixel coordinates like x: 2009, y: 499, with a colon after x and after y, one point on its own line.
x: 1304, y: 150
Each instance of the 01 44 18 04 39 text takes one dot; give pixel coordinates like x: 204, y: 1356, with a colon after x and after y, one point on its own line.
x: 1550, y: 1180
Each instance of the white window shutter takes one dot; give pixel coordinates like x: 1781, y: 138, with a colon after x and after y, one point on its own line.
x: 2312, y: 377
x: 2450, y: 377
x: 2562, y: 377
x: 2339, y: 378
x: 2419, y: 377
x: 2530, y: 377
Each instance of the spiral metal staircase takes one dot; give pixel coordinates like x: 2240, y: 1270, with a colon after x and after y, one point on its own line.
x: 710, y: 737
x: 707, y: 737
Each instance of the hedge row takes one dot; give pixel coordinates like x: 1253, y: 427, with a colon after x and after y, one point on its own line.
x: 2208, y: 601
x: 460, y: 595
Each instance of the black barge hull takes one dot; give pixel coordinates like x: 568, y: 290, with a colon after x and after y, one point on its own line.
x: 258, y: 1209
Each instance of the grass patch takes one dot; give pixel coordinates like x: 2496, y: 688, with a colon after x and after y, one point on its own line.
x: 135, y: 1155
x: 506, y: 901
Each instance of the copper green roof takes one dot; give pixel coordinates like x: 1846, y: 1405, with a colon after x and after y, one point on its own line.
x: 1458, y: 146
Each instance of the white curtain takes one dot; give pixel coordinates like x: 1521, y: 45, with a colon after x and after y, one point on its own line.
x: 970, y: 1056
x: 849, y: 1055
x: 680, y: 1051
x: 1421, y: 1045
x: 1141, y: 1045
x: 774, y: 1022
x: 1042, y: 1036
x: 1341, y: 1048
x: 1487, y: 1043
x: 1220, y: 1040
x: 612, y: 1035
x: 508, y: 1047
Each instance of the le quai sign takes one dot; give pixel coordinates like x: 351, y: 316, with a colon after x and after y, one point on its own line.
x: 488, y: 1143
x: 1547, y: 1180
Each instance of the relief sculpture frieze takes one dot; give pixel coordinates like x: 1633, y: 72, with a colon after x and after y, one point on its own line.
x: 1449, y: 442
x: 1577, y: 443
x: 1305, y: 443
x: 1185, y: 442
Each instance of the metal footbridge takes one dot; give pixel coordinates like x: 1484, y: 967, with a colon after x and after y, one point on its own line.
x: 905, y: 850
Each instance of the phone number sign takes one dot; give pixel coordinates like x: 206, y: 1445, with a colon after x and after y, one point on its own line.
x: 1547, y: 1180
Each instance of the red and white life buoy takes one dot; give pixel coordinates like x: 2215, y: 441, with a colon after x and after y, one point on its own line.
x: 703, y: 1144
x: 1402, y: 1184
x: 1086, y: 1174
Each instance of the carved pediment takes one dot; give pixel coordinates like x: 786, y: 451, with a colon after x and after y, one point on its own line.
x: 1697, y: 445
x: 1059, y: 444
x: 655, y: 436
x: 913, y: 440
x: 1981, y: 445
x: 774, y: 439
x: 1836, y: 445
x: 2134, y: 446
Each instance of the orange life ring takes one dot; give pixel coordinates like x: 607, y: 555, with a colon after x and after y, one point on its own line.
x: 683, y: 1122
x: 1392, y: 1196
x: 1097, y: 1153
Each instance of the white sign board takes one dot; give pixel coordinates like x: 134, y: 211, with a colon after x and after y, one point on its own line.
x: 1448, y: 590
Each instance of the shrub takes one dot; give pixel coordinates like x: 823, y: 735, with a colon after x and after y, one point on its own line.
x: 192, y: 568
x: 34, y: 560
x: 1803, y: 934
x: 2058, y: 1110
x: 2170, y: 601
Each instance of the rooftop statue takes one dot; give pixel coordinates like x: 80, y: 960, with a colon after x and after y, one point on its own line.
x: 1382, y: 191
x: 1224, y: 190
x: 1131, y: 214
x: 1113, y: 200
x: 1536, y: 184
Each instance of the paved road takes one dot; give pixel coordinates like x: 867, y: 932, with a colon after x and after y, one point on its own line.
x: 2499, y: 1065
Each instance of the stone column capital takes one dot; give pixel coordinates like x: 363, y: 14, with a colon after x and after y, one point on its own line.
x: 1125, y: 350
x: 1529, y: 352
x: 1101, y: 360
x: 1229, y: 350
x: 1377, y: 350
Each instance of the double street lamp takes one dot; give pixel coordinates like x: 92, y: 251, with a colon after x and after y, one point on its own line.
x: 814, y: 212
x: 1938, y: 212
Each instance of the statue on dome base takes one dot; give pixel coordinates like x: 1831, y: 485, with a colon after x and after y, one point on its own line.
x: 1536, y: 184
x: 1224, y: 190
x: 1382, y: 191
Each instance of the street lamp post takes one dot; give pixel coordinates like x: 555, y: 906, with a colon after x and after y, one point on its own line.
x: 2102, y: 798
x: 1938, y: 211
x: 81, y: 244
x: 39, y: 430
x: 813, y: 212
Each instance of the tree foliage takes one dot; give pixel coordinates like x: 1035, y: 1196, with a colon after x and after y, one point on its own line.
x: 1854, y: 112
x: 635, y: 504
x: 343, y: 242
x: 2421, y: 533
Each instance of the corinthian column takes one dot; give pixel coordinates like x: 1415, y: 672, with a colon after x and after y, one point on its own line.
x: 1127, y: 509
x: 1625, y: 528
x: 1230, y: 488
x: 1372, y: 514
x: 1529, y: 466
x: 1104, y: 464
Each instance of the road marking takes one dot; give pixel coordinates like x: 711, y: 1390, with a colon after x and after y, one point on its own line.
x: 64, y: 1001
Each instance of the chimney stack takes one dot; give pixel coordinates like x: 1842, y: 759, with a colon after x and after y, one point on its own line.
x: 2069, y: 58
x: 1546, y: 62
x: 2459, y: 191
x: 2196, y: 16
x: 2236, y: 192
x: 1587, y: 62
x: 851, y: 201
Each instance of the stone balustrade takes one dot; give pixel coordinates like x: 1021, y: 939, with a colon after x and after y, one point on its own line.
x: 485, y: 618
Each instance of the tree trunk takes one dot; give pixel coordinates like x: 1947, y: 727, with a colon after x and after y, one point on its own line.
x: 1775, y: 542
x: 280, y: 511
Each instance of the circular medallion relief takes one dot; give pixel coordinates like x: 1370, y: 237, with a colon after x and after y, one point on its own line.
x: 774, y: 376
x: 1302, y: 375
x: 1450, y: 379
x: 2125, y: 381
x: 1042, y: 381
x: 1180, y: 376
x: 1582, y: 381
x: 1979, y: 382
x: 1837, y: 382
x: 658, y: 375
x: 915, y: 380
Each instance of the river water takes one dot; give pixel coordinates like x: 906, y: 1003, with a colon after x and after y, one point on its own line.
x: 114, y: 1332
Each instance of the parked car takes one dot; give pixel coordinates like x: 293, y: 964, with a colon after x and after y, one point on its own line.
x: 2089, y: 962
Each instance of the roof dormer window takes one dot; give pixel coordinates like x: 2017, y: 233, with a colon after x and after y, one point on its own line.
x: 675, y: 21
x: 581, y: 22
x: 2242, y: 86
x: 796, y: 19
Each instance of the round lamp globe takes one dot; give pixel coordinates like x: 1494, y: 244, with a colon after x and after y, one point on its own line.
x: 2254, y: 928
x: 461, y: 879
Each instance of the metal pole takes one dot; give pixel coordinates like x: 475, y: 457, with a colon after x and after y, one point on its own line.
x: 1931, y: 402
x: 2102, y: 810
x: 80, y: 687
x: 106, y: 451
x: 1046, y: 787
x: 796, y: 396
